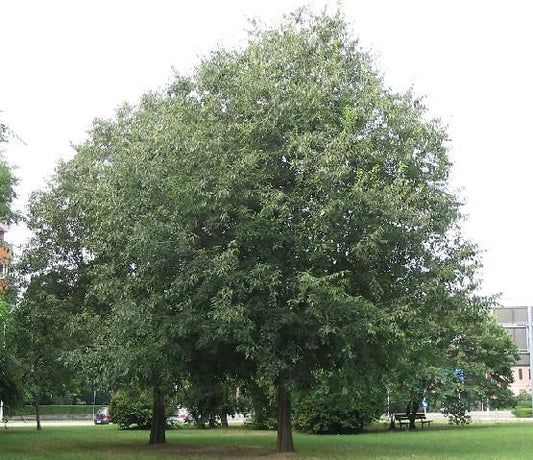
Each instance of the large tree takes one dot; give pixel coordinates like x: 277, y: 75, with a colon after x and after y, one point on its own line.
x: 280, y: 211
x: 325, y: 226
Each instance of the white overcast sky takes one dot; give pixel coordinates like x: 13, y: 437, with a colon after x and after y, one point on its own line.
x: 63, y: 63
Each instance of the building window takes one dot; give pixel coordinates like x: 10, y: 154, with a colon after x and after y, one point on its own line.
x: 520, y: 376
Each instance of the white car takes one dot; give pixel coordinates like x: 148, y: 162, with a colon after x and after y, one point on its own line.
x: 181, y: 416
x: 102, y: 416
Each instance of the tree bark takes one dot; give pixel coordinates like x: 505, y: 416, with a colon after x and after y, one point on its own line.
x: 38, y: 413
x: 411, y: 413
x: 157, y: 433
x: 392, y: 423
x: 224, y: 420
x: 284, y: 441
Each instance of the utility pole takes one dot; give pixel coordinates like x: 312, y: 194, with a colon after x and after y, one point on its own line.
x: 94, y: 401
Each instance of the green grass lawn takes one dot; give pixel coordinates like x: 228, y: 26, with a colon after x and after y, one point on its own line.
x: 481, y: 441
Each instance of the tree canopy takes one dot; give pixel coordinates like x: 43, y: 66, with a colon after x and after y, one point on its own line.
x: 7, y: 180
x: 9, y: 389
x: 279, y: 212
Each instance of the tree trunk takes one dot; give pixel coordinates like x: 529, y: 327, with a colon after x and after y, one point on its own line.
x: 38, y: 413
x: 412, y: 414
x: 284, y: 441
x: 157, y: 433
x: 224, y: 420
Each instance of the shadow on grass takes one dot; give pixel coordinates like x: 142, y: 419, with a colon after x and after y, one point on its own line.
x: 81, y: 443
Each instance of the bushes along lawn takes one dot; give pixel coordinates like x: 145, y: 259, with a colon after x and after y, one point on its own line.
x: 53, y: 409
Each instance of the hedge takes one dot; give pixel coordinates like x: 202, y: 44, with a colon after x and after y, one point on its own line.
x: 52, y: 409
x: 522, y: 412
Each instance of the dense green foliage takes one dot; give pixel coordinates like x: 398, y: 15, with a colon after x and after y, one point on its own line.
x: 332, y: 406
x: 523, y: 412
x: 209, y: 403
x: 10, y: 389
x: 129, y: 409
x: 523, y: 399
x: 277, y: 214
x: 322, y: 412
x: 474, y: 368
x: 38, y: 336
x: 7, y: 181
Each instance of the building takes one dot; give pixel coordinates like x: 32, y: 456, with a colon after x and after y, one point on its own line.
x: 518, y: 321
x: 5, y: 251
x: 5, y: 258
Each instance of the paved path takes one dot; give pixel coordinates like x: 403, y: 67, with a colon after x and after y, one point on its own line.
x: 484, y: 416
x: 497, y: 416
x: 480, y: 416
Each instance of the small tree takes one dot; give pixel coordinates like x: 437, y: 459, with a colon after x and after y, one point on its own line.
x: 480, y: 369
x: 39, y: 339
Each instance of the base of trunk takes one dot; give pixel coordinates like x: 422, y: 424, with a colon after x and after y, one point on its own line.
x: 224, y: 421
x: 284, y: 441
x: 157, y: 433
x: 38, y: 416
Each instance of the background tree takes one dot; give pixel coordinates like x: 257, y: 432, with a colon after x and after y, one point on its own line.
x: 7, y: 180
x: 480, y: 359
x: 39, y: 338
x: 473, y: 368
x: 10, y: 391
x: 121, y: 249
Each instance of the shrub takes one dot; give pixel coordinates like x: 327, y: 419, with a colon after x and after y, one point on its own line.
x: 131, y: 410
x: 259, y: 400
x: 457, y: 412
x: 264, y: 419
x: 323, y: 411
x: 208, y: 403
x: 523, y: 399
x: 522, y: 412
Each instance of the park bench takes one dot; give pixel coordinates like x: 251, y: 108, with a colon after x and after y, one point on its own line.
x: 403, y: 420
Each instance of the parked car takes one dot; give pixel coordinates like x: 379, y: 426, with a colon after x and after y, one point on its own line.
x: 181, y: 416
x: 102, y: 416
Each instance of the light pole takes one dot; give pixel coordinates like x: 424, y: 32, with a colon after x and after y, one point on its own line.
x: 94, y: 401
